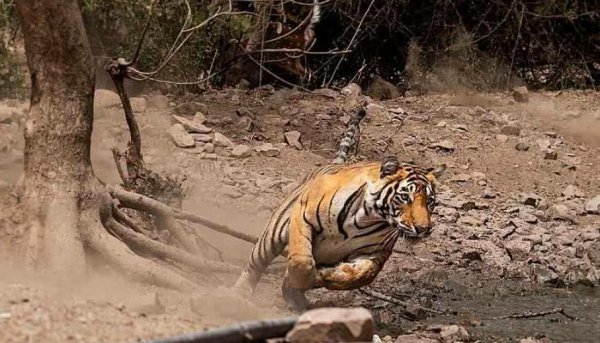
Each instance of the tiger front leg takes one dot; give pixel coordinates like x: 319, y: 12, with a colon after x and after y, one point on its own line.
x: 301, y: 271
x: 348, y: 275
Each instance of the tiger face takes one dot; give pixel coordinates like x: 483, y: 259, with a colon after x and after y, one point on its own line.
x: 409, y: 196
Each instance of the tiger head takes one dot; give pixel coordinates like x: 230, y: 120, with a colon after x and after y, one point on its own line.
x: 407, y: 198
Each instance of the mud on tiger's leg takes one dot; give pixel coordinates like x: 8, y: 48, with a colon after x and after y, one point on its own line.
x: 300, y: 273
x: 348, y: 275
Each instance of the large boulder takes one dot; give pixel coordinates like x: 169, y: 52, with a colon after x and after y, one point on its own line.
x: 333, y: 325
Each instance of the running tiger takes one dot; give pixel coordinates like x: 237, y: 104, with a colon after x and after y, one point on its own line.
x: 340, y: 226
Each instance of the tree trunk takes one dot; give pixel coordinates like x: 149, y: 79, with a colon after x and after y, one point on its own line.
x: 68, y: 210
x: 58, y: 171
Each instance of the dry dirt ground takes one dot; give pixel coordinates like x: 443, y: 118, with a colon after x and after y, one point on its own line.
x: 515, y: 229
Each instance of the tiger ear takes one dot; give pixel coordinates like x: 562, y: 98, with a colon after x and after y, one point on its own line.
x: 433, y: 174
x: 389, y: 166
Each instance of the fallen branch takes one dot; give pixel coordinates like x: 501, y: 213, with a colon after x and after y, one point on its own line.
x: 526, y: 315
x: 398, y: 302
x: 251, y: 331
x: 144, y: 203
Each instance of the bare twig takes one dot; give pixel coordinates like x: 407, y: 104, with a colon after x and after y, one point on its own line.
x: 337, y: 66
x: 529, y: 314
x: 275, y: 75
x: 396, y: 301
x: 143, y: 35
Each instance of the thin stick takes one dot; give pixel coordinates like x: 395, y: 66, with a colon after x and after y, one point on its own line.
x: 275, y: 75
x: 396, y: 301
x: 529, y: 314
x: 143, y: 35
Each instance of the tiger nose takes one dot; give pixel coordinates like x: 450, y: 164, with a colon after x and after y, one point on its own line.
x: 423, y: 230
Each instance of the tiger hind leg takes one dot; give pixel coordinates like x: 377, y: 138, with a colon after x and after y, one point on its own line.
x: 357, y: 273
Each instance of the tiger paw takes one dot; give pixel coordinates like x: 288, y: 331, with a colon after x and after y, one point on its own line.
x: 301, y: 272
x: 295, y: 300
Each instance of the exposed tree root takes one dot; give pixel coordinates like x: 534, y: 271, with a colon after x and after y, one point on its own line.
x: 160, y: 250
x: 117, y: 255
x: 144, y: 203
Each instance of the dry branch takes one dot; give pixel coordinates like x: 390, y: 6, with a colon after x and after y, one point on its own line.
x: 530, y: 314
x: 143, y: 203
x: 398, y: 302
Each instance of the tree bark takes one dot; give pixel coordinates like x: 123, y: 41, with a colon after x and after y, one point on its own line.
x: 58, y: 181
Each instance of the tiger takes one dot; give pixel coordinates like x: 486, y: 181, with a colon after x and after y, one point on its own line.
x: 339, y: 226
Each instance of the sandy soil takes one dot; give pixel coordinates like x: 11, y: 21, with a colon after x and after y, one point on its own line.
x: 468, y: 265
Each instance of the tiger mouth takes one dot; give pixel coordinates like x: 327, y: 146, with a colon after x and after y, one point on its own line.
x: 412, y: 234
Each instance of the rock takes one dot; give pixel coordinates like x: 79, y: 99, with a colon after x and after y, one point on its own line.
x: 488, y: 193
x: 454, y: 333
x: 543, y: 275
x: 531, y: 199
x: 550, y: 155
x: 460, y: 178
x: 148, y: 303
x: 201, y: 137
x: 444, y: 145
x: 560, y: 211
x: 208, y: 156
x: 522, y: 146
x: 105, y: 98
x: 345, y: 119
x: 572, y: 192
x: 333, y: 325
x: 442, y: 123
x: 180, y: 136
x: 199, y: 118
x: 502, y: 138
x: 243, y: 84
x: 191, y: 108
x: 351, y: 89
x: 209, y: 148
x: 241, y: 151
x: 292, y: 138
x: 192, y: 126
x: 323, y: 116
x: 222, y: 141
x: 592, y: 206
x: 267, y: 149
x: 381, y: 89
x: 138, y: 104
x: 478, y: 176
x: 511, y: 130
x: 543, y: 144
x: 245, y: 123
x: 326, y: 92
x: 593, y: 253
x: 528, y: 217
x: 158, y: 101
x: 520, y: 94
x: 414, y: 338
x: 518, y: 249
